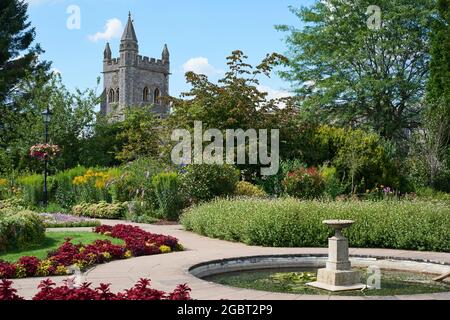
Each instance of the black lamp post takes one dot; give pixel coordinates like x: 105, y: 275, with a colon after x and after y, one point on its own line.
x: 46, y: 116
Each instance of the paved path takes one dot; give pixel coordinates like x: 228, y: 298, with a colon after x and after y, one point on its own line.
x: 168, y: 270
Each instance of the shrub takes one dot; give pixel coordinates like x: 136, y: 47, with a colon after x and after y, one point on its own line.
x: 62, y: 187
x: 32, y: 189
x: 19, y: 230
x: 246, y: 189
x: 166, y: 186
x: 101, y: 210
x: 16, y: 203
x: 293, y: 223
x: 49, y: 292
x: 204, y: 182
x: 333, y: 186
x: 92, y: 186
x: 304, y: 183
x: 135, y: 185
x: 274, y: 184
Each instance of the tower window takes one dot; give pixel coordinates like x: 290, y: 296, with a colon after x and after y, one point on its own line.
x: 111, y: 96
x: 117, y: 95
x: 156, y: 96
x: 145, y: 95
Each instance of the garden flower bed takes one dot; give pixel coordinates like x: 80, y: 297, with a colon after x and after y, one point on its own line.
x: 141, y: 291
x: 137, y: 243
x: 61, y: 220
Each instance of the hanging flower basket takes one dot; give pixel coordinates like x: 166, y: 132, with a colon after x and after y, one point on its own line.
x: 44, y: 151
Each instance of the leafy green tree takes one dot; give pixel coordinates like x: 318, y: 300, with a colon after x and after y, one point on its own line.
x: 73, y: 115
x: 351, y: 74
x: 18, y: 62
x: 237, y: 102
x: 431, y: 144
x: 141, y: 133
x: 18, y: 57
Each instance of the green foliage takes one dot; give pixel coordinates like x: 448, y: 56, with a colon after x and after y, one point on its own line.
x: 304, y: 183
x: 18, y: 57
x: 203, y: 182
x: 292, y: 223
x: 135, y: 185
x: 364, y: 159
x: 62, y: 188
x: 274, y: 184
x: 167, y: 191
x: 20, y: 229
x: 102, y: 210
x: 32, y: 189
x: 347, y: 73
x: 140, y: 133
x: 246, y: 189
x: 333, y: 186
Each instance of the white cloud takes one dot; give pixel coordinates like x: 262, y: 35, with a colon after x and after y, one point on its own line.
x: 274, y: 93
x: 112, y: 29
x: 201, y: 65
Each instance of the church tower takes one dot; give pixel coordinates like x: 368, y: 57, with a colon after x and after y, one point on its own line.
x: 133, y: 80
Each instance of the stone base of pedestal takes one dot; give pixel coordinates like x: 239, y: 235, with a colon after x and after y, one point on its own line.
x: 331, y: 288
x: 337, y: 280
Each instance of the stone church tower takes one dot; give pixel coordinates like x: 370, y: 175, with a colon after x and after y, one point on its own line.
x: 134, y: 80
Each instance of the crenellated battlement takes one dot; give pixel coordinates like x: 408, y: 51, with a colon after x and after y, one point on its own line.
x: 147, y: 62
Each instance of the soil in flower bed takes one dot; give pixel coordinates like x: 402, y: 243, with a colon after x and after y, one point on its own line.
x: 52, y: 241
x: 137, y: 242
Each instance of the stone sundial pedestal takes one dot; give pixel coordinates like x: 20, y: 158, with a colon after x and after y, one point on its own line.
x: 338, y: 274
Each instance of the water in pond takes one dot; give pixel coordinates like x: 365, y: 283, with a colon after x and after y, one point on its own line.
x: 294, y: 281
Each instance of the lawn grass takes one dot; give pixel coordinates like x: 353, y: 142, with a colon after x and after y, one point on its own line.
x: 52, y: 241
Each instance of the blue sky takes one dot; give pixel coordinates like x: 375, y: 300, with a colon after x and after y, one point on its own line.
x: 199, y: 33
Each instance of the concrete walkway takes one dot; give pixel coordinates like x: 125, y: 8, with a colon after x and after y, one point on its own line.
x: 168, y: 270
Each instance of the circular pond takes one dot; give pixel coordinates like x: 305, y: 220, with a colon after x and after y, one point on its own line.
x: 290, y: 274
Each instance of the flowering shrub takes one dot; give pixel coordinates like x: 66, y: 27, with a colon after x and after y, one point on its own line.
x: 93, y: 186
x: 141, y: 291
x: 44, y: 151
x: 137, y: 243
x: 101, y: 210
x: 19, y: 229
x: 246, y: 189
x: 304, y: 183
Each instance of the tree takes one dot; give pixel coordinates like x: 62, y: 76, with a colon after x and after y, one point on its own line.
x: 18, y: 63
x: 236, y: 102
x: 432, y: 142
x: 350, y: 74
x: 73, y: 115
x: 141, y: 134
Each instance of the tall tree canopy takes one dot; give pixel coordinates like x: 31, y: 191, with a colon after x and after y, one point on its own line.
x: 351, y: 74
x: 17, y: 55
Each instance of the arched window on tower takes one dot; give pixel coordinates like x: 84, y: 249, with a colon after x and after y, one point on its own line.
x: 117, y: 95
x: 145, y: 95
x: 157, y: 96
x: 111, y: 96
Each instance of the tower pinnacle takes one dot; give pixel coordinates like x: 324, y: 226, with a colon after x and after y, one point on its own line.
x: 129, y: 40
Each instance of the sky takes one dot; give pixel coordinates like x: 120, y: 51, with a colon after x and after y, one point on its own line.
x: 200, y: 34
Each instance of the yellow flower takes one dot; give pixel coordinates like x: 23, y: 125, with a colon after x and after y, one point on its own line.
x: 106, y: 255
x: 61, y: 270
x: 165, y: 249
x: 127, y: 254
x: 3, y: 182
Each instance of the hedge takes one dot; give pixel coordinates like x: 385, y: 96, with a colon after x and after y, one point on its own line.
x: 19, y: 230
x: 294, y: 223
